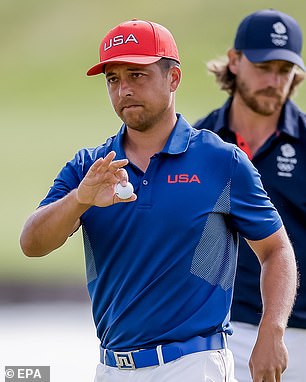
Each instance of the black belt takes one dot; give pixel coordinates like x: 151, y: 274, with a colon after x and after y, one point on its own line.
x: 162, y: 353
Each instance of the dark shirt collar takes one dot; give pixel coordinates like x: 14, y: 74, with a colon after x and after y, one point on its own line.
x: 287, y: 124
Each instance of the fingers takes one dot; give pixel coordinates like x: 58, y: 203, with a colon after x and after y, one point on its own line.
x: 103, y: 161
x: 122, y: 176
x: 114, y: 165
x: 266, y: 375
x: 115, y: 173
x: 98, y: 186
x: 118, y: 200
x: 108, y: 164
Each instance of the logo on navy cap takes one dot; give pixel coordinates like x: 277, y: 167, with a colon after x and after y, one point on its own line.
x: 279, y: 37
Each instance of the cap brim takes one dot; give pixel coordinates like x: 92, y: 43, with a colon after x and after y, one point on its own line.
x: 262, y: 55
x: 141, y: 60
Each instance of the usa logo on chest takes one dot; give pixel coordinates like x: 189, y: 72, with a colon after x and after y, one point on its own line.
x: 183, y: 178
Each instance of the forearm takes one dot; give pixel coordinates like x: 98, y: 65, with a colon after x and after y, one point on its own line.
x: 278, y: 280
x: 278, y: 288
x: 49, y: 227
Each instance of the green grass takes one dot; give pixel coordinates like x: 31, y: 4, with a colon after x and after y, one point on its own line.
x: 50, y: 109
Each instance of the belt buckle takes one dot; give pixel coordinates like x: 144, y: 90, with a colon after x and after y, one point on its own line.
x: 124, y: 360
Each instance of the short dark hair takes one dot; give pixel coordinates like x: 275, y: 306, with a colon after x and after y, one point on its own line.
x: 166, y: 63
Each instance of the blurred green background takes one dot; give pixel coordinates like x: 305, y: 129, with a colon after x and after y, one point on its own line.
x: 50, y: 109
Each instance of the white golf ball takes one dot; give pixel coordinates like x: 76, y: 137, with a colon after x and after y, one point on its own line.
x: 124, y: 192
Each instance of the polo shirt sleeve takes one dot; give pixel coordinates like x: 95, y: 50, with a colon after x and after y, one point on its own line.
x: 68, y: 179
x: 253, y: 214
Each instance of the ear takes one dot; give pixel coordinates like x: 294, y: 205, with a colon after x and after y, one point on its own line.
x: 175, y: 75
x: 233, y: 60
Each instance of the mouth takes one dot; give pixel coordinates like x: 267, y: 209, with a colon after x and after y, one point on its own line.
x: 269, y: 93
x: 130, y: 107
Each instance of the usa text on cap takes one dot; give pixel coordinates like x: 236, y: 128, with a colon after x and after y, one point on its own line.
x: 138, y: 42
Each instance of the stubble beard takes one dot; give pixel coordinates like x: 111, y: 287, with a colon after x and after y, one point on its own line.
x: 143, y: 120
x: 265, y: 106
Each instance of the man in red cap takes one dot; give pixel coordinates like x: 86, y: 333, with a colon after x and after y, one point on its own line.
x: 161, y: 261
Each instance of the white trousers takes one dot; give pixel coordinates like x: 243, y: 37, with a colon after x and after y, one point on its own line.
x: 206, y: 366
x: 243, y: 339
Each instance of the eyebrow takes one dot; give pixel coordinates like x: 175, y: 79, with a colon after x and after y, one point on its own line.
x: 131, y: 69
x: 109, y: 74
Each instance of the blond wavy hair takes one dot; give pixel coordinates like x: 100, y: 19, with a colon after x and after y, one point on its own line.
x: 227, y: 80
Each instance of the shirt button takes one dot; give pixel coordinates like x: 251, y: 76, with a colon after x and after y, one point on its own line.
x: 145, y: 182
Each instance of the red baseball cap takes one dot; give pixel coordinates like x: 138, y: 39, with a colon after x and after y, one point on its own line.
x: 138, y: 42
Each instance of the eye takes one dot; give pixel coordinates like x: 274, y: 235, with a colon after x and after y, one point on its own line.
x: 136, y: 75
x: 286, y: 69
x: 262, y: 67
x: 112, y: 79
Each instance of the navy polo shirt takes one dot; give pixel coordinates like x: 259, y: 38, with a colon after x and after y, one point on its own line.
x: 161, y: 269
x: 281, y: 161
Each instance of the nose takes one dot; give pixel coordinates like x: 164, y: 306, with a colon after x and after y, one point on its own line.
x: 125, y: 88
x: 274, y: 79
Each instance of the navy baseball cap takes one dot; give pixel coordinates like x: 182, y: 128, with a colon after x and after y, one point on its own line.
x: 270, y: 35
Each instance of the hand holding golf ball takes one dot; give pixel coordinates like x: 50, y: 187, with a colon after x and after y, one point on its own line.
x: 124, y: 192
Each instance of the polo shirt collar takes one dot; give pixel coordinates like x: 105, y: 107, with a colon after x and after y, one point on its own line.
x: 177, y: 143
x: 288, y: 122
x: 223, y: 116
x: 179, y: 138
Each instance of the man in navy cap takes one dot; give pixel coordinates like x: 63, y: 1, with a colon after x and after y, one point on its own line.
x: 260, y: 74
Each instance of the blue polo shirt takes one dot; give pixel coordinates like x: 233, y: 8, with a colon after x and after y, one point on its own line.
x: 161, y: 269
x: 281, y: 161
